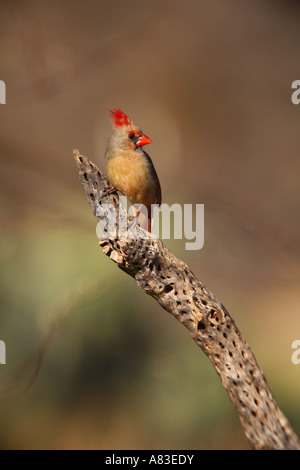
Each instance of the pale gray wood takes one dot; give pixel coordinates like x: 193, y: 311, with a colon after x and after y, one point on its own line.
x: 177, y: 290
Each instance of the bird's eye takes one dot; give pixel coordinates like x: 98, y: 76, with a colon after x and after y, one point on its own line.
x: 131, y: 136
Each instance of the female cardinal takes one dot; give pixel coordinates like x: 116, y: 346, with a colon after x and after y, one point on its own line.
x: 129, y: 168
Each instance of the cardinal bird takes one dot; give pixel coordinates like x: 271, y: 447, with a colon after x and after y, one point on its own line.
x: 129, y: 168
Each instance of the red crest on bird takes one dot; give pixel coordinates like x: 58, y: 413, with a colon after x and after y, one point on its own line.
x: 119, y: 118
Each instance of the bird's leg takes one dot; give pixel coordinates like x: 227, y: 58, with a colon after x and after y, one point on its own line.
x: 136, y: 214
x: 109, y: 191
x: 133, y: 222
x: 139, y: 217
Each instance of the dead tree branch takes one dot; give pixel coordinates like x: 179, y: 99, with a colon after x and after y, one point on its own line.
x: 160, y: 274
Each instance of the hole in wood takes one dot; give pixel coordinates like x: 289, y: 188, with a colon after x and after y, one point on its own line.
x: 168, y: 288
x: 200, y: 326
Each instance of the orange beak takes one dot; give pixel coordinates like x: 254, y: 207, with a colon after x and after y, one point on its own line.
x: 143, y: 140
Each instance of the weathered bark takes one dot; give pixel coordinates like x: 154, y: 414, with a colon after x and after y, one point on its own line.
x: 160, y: 274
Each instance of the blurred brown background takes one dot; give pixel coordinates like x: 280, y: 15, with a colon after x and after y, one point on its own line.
x: 210, y: 83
